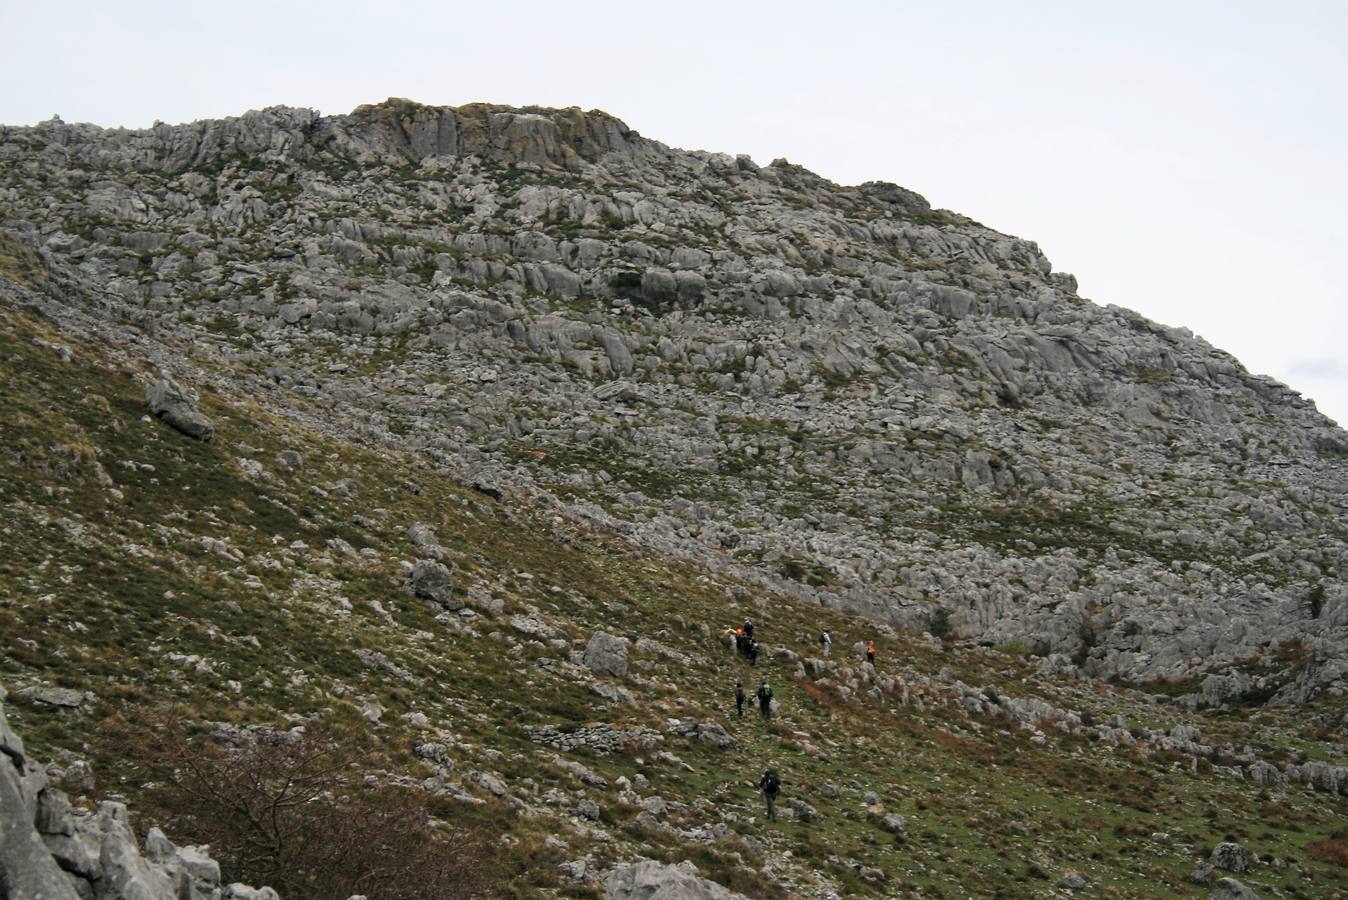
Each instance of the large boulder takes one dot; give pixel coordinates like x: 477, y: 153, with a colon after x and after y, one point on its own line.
x: 650, y: 880
x: 433, y: 581
x: 606, y: 654
x: 178, y: 407
x: 1229, y: 856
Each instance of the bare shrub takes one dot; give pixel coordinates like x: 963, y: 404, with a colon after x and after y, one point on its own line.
x: 291, y: 809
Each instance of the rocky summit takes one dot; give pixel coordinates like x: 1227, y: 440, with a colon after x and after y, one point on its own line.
x: 472, y: 429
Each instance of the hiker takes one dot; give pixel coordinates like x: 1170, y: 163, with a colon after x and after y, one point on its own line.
x: 825, y: 643
x: 739, y: 698
x: 748, y: 628
x: 753, y: 653
x: 771, y: 786
x: 870, y: 652
x: 764, y: 694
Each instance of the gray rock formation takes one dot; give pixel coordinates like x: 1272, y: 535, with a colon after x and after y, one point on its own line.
x: 606, y: 654
x: 169, y: 401
x: 1229, y: 856
x: 51, y: 851
x: 835, y: 391
x: 434, y: 582
x: 1231, y: 889
x: 650, y: 880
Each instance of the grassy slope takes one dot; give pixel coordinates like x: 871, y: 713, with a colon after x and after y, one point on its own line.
x: 98, y: 593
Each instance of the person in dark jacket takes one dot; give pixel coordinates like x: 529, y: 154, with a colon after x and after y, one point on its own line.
x: 764, y: 694
x: 739, y: 698
x: 771, y: 786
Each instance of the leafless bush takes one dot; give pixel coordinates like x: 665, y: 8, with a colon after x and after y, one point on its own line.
x: 292, y: 810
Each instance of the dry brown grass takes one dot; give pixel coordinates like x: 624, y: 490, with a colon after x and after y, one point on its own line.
x: 1332, y: 850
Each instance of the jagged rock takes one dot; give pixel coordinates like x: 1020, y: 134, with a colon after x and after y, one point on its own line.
x: 532, y: 626
x: 344, y: 487
x: 65, y: 697
x: 290, y: 459
x: 424, y: 539
x: 434, y: 753
x: 707, y: 732
x: 606, y: 654
x: 433, y: 581
x: 27, y: 868
x: 378, y: 661
x: 1321, y: 776
x: 124, y: 871
x: 178, y: 407
x: 893, y: 823
x: 613, y: 693
x: 49, y: 851
x: 1074, y: 881
x: 1229, y: 856
x: 1231, y: 889
x: 1219, y: 689
x: 1263, y: 773
x: 489, y: 783
x: 649, y: 880
x: 244, y: 892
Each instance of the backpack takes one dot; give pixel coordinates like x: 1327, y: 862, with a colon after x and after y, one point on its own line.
x: 771, y: 783
x: 765, y: 692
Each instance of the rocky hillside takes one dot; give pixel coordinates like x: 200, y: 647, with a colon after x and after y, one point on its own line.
x: 480, y: 424
x: 840, y: 392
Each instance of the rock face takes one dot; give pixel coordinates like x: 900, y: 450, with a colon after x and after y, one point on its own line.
x: 606, y: 654
x: 835, y: 391
x: 170, y: 402
x: 49, y: 851
x: 650, y: 880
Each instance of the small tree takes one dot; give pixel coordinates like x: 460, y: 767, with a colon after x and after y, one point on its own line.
x: 940, y: 623
x: 291, y: 810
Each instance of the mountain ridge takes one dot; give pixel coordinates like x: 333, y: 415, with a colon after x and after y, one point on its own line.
x: 813, y: 298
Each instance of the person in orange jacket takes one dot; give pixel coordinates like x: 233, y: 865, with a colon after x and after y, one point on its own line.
x: 870, y: 652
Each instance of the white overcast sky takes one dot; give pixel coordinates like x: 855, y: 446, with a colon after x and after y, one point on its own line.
x: 1186, y: 159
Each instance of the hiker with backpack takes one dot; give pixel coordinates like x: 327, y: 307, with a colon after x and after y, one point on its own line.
x: 825, y: 643
x: 753, y: 653
x: 764, y: 694
x: 771, y: 786
x: 739, y: 698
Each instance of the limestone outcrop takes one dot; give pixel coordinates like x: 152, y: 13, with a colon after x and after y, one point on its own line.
x: 838, y: 392
x: 50, y: 850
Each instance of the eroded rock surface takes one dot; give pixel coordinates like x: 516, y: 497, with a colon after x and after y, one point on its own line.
x: 836, y: 391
